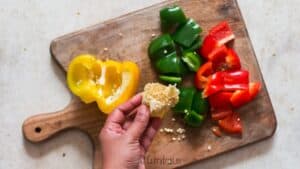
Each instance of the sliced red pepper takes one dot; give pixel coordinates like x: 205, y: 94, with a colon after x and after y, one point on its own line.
x: 220, y: 114
x: 218, y: 54
x: 241, y: 97
x: 236, y: 80
x: 213, y: 85
x: 231, y: 124
x: 203, y: 74
x: 209, y: 44
x: 254, y: 88
x: 225, y: 59
x: 233, y: 60
x: 220, y: 100
x: 222, y: 33
x: 227, y: 81
x: 218, y: 36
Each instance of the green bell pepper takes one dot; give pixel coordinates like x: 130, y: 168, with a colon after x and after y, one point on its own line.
x: 185, y: 102
x: 161, y: 46
x: 187, y: 34
x: 170, y: 79
x: 170, y: 64
x: 200, y: 104
x: 193, y: 119
x: 195, y: 46
x: 171, y: 17
x: 192, y: 105
x: 193, y: 60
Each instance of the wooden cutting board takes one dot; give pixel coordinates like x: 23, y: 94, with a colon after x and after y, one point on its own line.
x: 127, y: 38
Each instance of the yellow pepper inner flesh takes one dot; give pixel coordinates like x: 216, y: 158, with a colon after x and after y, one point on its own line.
x: 109, y: 83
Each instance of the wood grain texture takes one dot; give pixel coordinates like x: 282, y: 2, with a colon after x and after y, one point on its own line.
x: 136, y: 28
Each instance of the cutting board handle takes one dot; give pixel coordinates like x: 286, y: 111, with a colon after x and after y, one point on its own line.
x: 40, y: 127
x: 76, y: 115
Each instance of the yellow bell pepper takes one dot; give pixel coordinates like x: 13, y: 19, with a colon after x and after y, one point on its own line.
x: 109, y: 83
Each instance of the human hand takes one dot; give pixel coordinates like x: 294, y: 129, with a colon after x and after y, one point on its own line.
x: 125, y: 141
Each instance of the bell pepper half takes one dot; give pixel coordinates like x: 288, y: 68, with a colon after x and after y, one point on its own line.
x: 227, y: 81
x: 241, y: 97
x: 171, y: 17
x: 109, y: 83
x: 187, y: 34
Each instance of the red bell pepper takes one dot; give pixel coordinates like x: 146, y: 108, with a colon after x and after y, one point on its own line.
x: 231, y: 124
x: 241, y: 97
x: 222, y: 33
x: 235, y: 80
x: 218, y: 54
x: 218, y: 36
x: 219, y: 114
x: 203, y: 74
x: 226, y: 81
x: 209, y: 44
x: 225, y: 59
x: 254, y: 89
x: 222, y: 80
x: 220, y: 100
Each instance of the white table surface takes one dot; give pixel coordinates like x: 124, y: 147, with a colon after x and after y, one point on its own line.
x: 31, y: 83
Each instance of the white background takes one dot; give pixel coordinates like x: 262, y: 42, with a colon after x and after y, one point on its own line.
x: 31, y: 83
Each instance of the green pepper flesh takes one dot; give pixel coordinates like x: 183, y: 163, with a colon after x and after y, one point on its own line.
x: 187, y: 34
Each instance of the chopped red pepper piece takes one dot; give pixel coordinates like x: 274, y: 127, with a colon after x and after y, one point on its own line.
x: 254, y: 89
x: 218, y: 36
x: 218, y: 54
x: 231, y: 124
x: 241, y: 97
x: 225, y: 59
x: 220, y: 114
x: 235, y: 80
x: 222, y: 33
x: 223, y: 81
x: 214, y: 85
x: 227, y: 81
x: 203, y: 74
x: 209, y: 44
x: 233, y: 60
x: 220, y: 100
x: 217, y: 131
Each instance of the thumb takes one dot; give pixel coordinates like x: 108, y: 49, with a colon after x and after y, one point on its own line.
x: 140, y: 122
